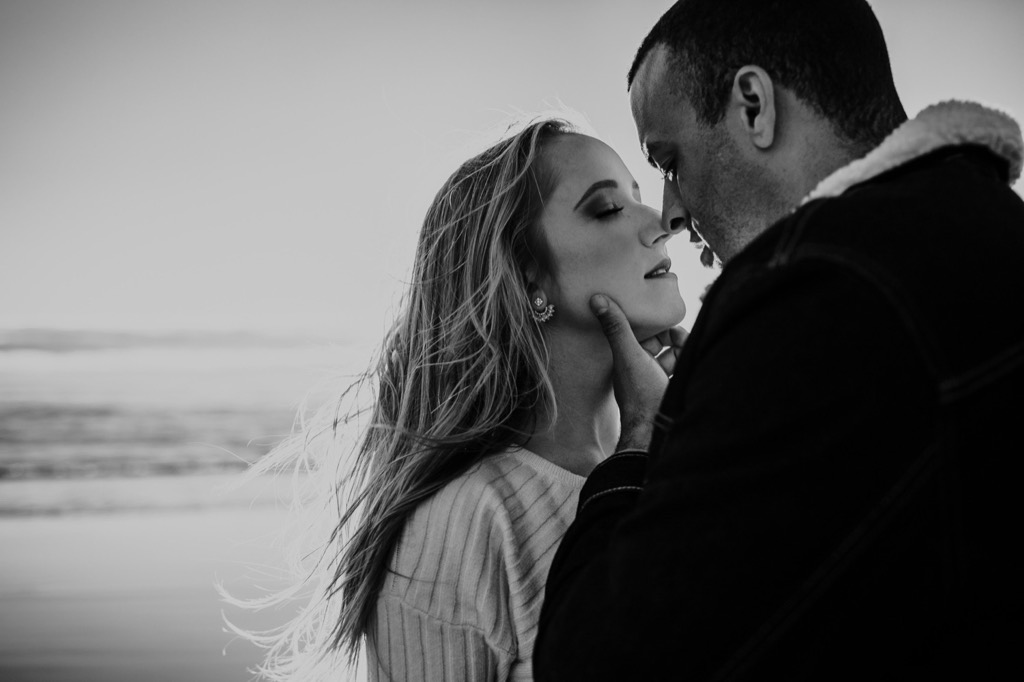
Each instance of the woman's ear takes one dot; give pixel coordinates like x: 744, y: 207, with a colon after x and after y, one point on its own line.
x: 538, y: 299
x: 752, y: 101
x: 531, y: 272
x: 541, y: 307
x: 535, y: 281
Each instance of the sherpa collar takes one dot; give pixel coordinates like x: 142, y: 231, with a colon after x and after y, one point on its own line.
x: 940, y: 125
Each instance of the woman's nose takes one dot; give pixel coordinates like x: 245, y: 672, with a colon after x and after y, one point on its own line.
x: 652, y: 232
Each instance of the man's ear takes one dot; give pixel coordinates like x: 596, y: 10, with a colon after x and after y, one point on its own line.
x: 753, y: 102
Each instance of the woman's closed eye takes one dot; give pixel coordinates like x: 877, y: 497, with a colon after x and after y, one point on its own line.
x: 607, y: 211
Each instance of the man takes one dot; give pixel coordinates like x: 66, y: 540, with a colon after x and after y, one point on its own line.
x: 831, y: 491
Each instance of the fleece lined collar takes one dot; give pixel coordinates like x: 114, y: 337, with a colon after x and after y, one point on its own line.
x: 940, y: 125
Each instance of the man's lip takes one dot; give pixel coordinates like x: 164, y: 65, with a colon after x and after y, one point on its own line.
x: 665, y: 264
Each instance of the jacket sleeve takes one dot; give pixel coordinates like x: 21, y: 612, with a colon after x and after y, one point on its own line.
x: 788, y: 389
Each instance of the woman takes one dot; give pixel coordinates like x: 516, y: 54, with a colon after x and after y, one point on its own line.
x: 494, y: 401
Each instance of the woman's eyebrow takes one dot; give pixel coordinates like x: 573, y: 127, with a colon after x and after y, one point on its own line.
x: 600, y: 184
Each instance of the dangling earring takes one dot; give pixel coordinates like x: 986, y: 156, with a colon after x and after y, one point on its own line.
x: 542, y: 313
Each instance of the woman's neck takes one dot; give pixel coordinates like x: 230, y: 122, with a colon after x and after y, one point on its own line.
x: 586, y: 429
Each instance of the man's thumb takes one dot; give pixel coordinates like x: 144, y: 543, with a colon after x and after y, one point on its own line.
x: 613, y: 320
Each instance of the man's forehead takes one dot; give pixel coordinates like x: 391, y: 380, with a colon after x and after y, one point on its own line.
x: 648, y: 92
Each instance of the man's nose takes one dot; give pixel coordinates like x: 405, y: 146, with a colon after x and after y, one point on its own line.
x: 674, y: 216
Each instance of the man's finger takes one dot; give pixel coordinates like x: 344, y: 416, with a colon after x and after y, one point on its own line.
x: 652, y: 345
x: 667, y: 360
x: 677, y: 337
x: 673, y: 337
x: 613, y: 321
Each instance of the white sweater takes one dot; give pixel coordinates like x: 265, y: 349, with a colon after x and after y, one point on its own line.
x: 466, y: 582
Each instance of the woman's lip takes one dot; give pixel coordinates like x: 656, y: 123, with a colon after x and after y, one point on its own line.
x: 665, y: 264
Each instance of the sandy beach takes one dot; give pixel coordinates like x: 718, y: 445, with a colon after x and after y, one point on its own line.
x: 129, y: 596
x: 121, y: 504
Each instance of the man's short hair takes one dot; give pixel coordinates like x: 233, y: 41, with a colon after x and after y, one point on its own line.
x: 830, y: 53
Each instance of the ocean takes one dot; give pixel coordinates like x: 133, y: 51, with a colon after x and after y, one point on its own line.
x: 121, y: 503
x: 90, y: 415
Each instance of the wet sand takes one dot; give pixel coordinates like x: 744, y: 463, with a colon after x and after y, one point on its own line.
x: 129, y: 596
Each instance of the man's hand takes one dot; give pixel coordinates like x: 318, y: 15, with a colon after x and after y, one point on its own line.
x: 641, y: 370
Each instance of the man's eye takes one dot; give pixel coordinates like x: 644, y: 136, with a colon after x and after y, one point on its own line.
x: 668, y: 172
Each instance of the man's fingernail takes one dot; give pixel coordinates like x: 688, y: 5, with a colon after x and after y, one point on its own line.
x: 599, y: 304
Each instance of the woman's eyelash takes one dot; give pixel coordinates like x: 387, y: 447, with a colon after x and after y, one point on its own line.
x: 608, y: 212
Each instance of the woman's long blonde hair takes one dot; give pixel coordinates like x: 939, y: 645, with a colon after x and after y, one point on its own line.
x: 461, y: 375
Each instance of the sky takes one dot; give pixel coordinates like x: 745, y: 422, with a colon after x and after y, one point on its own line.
x: 245, y: 164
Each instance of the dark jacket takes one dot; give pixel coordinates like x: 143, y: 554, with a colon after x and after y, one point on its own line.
x: 834, y: 488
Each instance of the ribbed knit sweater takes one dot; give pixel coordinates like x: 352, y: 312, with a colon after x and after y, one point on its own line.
x: 463, y: 595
